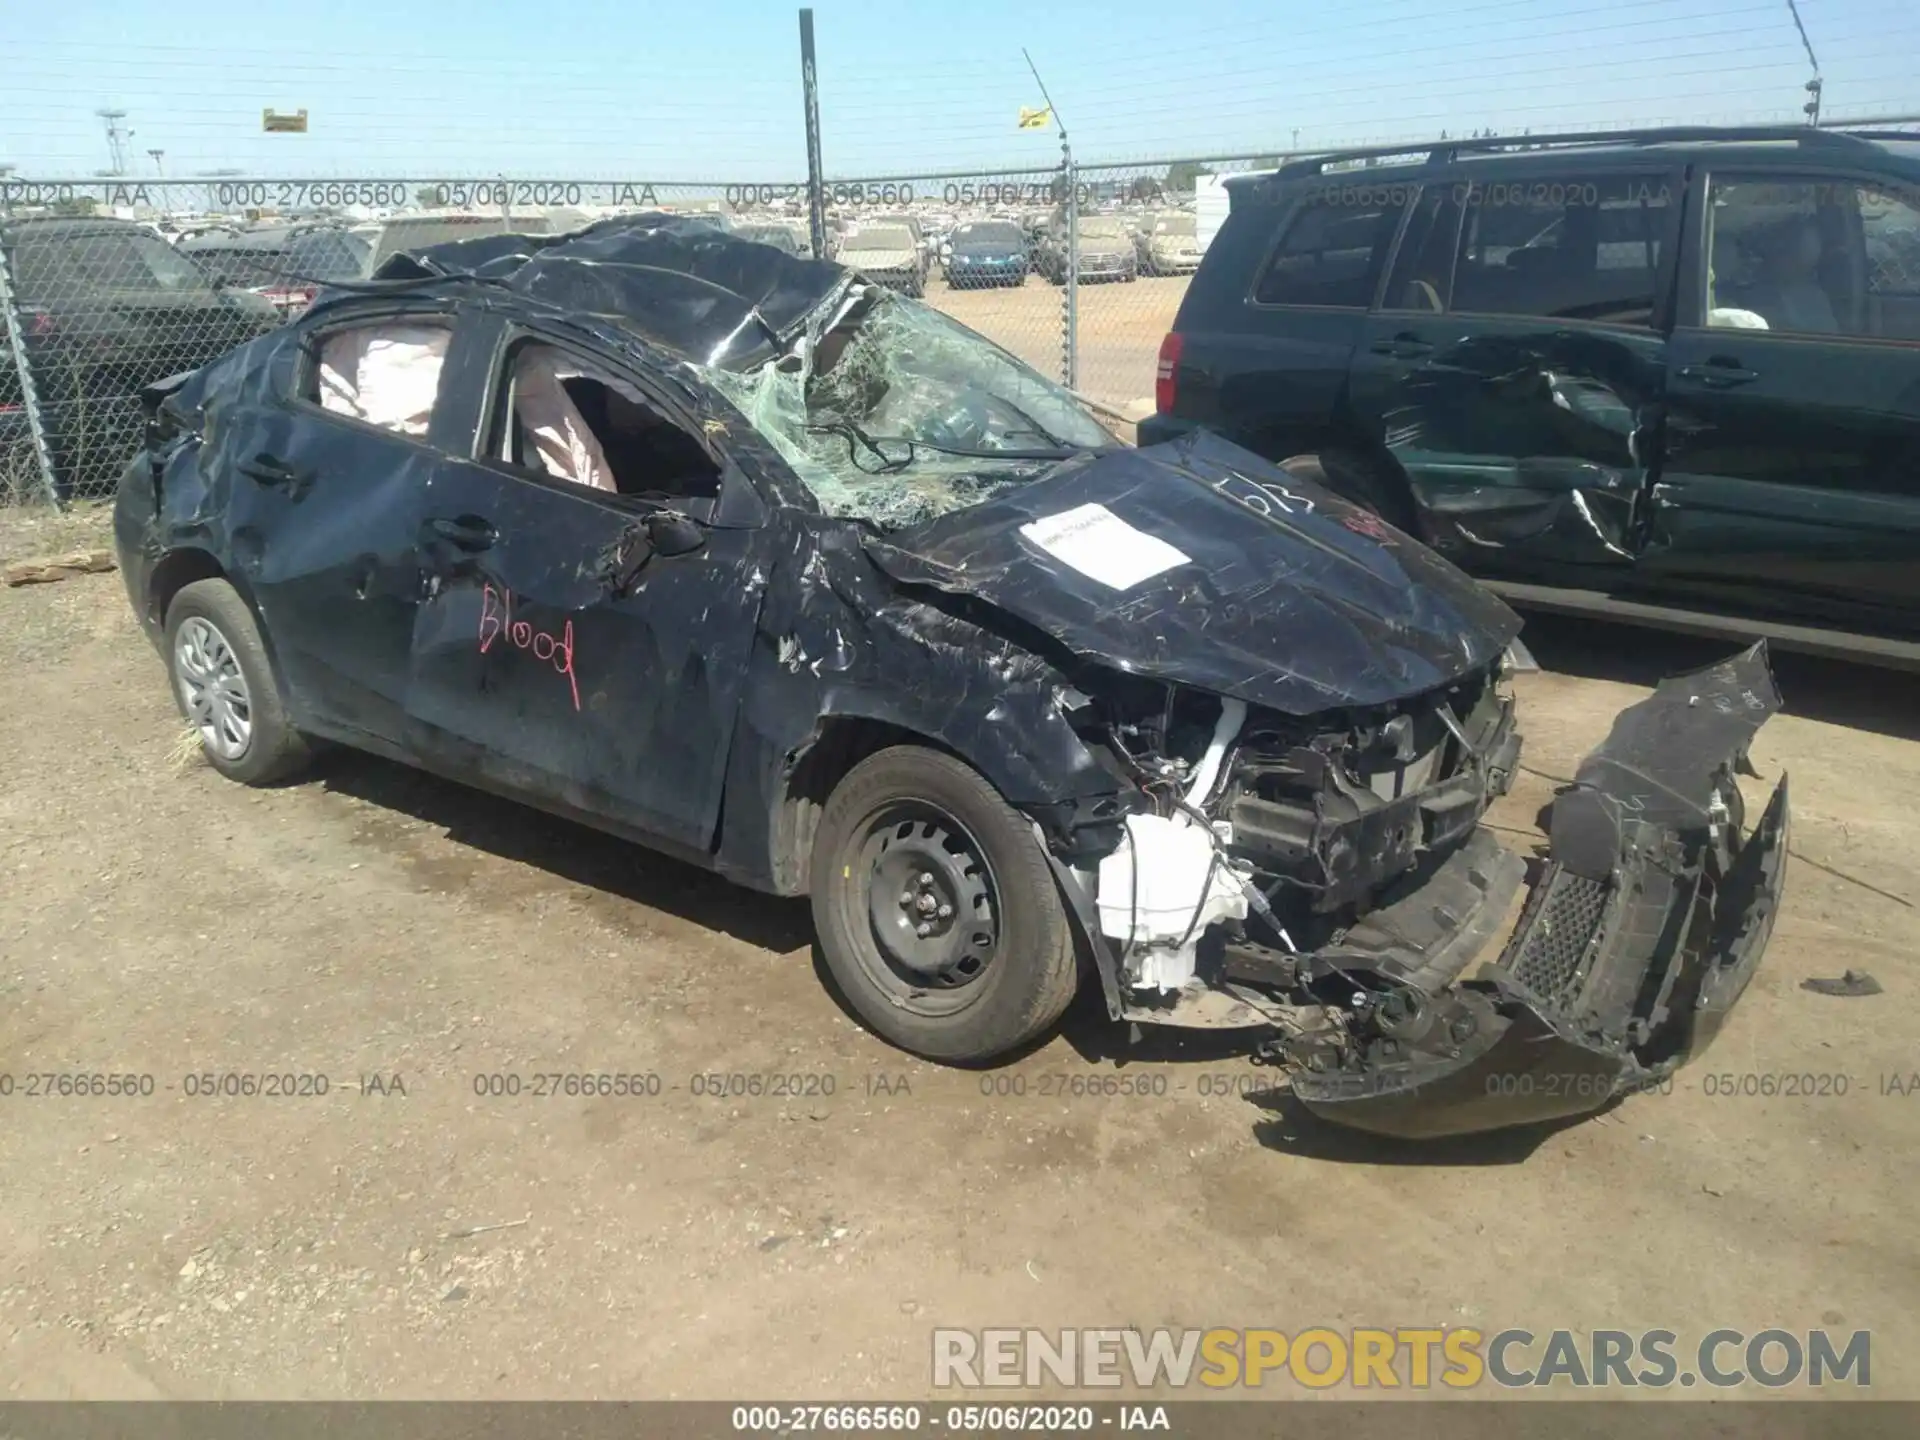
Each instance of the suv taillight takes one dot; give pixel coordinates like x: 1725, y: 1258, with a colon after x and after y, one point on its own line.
x: 1164, y: 377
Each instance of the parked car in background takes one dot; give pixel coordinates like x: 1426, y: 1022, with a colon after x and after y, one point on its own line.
x: 107, y: 307
x: 1667, y: 377
x: 286, y: 265
x: 987, y: 252
x: 889, y: 254
x: 1105, y: 249
x: 1166, y: 243
x: 781, y: 235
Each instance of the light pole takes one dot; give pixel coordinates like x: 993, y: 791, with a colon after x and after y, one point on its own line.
x: 1070, y: 341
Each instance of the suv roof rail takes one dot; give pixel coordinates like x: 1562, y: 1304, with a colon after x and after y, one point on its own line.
x: 1442, y: 152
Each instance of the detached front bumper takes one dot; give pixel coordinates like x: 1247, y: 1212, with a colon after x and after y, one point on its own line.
x: 1638, y: 938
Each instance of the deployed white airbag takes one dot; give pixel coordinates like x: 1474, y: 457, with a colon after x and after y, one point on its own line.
x: 386, y: 375
x: 566, y: 444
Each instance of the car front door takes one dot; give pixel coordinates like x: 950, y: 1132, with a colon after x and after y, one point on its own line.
x: 574, y: 649
x: 324, y: 499
x: 1792, y: 463
x: 1515, y: 364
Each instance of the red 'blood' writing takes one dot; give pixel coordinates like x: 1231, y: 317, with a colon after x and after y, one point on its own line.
x: 497, y: 622
x: 1363, y: 522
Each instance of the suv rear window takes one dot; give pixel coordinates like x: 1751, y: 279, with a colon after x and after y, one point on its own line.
x: 1331, y: 248
x: 60, y: 263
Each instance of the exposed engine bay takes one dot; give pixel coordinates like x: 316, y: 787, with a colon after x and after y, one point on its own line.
x: 1328, y: 877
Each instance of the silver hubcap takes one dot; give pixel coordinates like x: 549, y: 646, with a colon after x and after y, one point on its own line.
x: 213, y: 691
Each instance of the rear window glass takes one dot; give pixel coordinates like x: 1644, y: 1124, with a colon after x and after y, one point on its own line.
x: 885, y: 237
x: 1331, y: 248
x: 59, y: 262
x: 328, y: 255
x: 989, y: 235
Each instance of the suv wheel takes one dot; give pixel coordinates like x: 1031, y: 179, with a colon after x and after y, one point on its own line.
x: 1362, y: 484
x: 225, y: 686
x: 937, y: 911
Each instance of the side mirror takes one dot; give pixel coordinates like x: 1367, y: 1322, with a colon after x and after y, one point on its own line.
x: 672, y: 533
x: 664, y: 532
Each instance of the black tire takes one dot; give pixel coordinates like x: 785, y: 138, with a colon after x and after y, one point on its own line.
x: 273, y: 749
x: 1361, y: 483
x: 873, y: 850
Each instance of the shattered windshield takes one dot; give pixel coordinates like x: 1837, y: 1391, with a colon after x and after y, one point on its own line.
x: 900, y: 414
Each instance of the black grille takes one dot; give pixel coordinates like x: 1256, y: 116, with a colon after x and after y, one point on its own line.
x: 1549, y: 960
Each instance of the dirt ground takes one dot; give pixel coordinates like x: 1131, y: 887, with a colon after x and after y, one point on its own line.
x: 401, y: 936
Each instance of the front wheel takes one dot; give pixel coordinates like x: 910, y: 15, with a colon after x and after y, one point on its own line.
x: 937, y: 910
x: 225, y: 686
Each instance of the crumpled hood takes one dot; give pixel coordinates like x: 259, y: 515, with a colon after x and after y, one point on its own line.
x: 1163, y: 566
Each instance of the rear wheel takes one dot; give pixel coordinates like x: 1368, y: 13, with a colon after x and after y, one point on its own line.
x: 937, y: 910
x: 225, y: 687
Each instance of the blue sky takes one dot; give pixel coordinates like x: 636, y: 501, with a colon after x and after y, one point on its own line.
x: 614, y: 89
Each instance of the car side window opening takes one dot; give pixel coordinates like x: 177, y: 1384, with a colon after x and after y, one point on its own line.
x: 385, y: 373
x: 576, y: 422
x: 1332, y: 247
x: 1812, y: 257
x: 1584, y: 248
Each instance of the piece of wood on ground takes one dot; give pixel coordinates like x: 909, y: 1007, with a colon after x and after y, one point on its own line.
x: 60, y: 567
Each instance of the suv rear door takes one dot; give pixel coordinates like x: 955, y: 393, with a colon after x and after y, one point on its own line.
x: 1792, y: 463
x: 1269, y: 323
x: 1515, y: 366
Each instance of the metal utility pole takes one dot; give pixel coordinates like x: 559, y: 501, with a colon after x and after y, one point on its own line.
x: 158, y: 168
x: 1070, y: 337
x: 810, y: 96
x: 116, y: 139
x: 1812, y: 108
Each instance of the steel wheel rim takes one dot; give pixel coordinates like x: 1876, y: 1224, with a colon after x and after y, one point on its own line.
x: 213, y: 688
x: 915, y: 861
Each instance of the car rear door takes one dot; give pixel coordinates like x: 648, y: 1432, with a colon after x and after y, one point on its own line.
x: 322, y: 511
x: 1792, y: 459
x: 1267, y: 330
x: 1515, y: 364
x: 536, y: 669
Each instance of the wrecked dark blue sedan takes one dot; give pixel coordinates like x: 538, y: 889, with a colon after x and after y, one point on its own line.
x: 743, y: 557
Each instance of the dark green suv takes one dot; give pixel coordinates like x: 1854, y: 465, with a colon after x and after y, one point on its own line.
x: 1670, y: 376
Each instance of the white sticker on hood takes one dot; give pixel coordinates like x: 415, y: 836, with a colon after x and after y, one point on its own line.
x: 1098, y: 543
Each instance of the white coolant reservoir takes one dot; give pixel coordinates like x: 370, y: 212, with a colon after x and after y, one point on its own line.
x: 1152, y: 888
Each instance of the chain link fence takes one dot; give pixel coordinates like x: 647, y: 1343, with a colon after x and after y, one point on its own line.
x: 107, y: 286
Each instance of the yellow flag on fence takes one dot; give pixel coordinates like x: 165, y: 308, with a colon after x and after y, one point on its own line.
x: 1036, y: 119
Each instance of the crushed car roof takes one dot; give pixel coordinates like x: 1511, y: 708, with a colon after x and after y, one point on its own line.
x: 710, y: 296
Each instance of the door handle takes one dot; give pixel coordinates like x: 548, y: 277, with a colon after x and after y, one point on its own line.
x: 1718, y: 375
x: 1403, y: 346
x: 272, y: 470
x: 470, y: 533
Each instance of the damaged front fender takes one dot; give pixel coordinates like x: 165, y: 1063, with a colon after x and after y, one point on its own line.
x: 1639, y: 937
